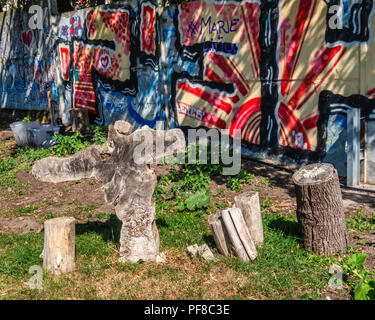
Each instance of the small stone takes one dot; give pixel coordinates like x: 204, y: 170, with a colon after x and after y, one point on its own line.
x: 193, y: 250
x: 203, y: 250
x: 160, y: 258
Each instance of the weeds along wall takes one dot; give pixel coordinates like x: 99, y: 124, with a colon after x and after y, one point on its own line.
x: 284, y: 72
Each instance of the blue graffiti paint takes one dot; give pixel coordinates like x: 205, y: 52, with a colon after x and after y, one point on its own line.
x: 346, y: 12
x: 225, y: 47
x: 113, y: 101
x: 73, y: 29
x: 215, y: 27
x: 191, y: 68
x: 336, y: 125
x: 138, y: 118
x: 336, y: 142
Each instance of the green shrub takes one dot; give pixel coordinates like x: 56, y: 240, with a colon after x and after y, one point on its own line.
x: 68, y: 145
x: 236, y: 183
x: 99, y: 134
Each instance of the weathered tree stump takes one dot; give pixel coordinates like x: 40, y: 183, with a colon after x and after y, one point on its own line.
x: 80, y: 120
x: 239, y: 235
x: 320, y: 210
x: 59, y: 245
x: 220, y: 234
x: 249, y: 204
x: 128, y: 181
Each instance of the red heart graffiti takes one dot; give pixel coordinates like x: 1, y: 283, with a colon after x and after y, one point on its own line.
x: 104, y: 61
x: 27, y: 37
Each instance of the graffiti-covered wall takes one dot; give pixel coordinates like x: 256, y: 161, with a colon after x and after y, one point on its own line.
x: 109, y: 59
x: 285, y: 72
x: 27, y: 68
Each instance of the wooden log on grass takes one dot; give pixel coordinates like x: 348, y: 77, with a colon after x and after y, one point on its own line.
x: 220, y: 234
x: 249, y: 204
x: 59, y: 245
x: 243, y: 244
x: 320, y: 209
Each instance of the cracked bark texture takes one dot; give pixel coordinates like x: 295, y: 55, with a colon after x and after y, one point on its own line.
x: 127, y: 185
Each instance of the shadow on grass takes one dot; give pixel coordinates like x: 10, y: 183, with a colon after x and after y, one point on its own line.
x: 160, y: 222
x: 209, y: 239
x: 288, y: 227
x: 109, y: 230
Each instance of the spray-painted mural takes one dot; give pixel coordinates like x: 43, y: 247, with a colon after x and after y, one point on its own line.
x: 269, y: 69
x: 109, y: 62
x: 27, y: 68
x: 285, y: 72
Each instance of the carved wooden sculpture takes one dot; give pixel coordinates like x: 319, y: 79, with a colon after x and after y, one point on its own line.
x: 128, y: 185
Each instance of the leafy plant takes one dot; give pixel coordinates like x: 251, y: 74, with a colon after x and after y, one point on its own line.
x: 266, y: 203
x: 30, y: 155
x: 236, y: 183
x: 7, y: 170
x: 104, y: 215
x: 91, y: 207
x: 221, y: 205
x: 360, y: 223
x: 47, y: 215
x: 354, y: 268
x: 68, y: 145
x: 365, y: 290
x: 26, y: 119
x: 199, y: 200
x: 48, y: 202
x: 267, y: 182
x: 164, y: 180
x: 195, y: 176
x: 220, y: 191
x: 361, y: 242
x: 99, y: 134
x: 31, y: 209
x: 7, y: 165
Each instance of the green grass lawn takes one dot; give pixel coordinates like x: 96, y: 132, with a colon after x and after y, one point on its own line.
x: 283, y: 269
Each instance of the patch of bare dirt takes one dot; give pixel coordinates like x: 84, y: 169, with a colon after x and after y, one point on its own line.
x: 82, y: 199
x: 20, y: 225
x: 6, y: 135
x: 368, y: 239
